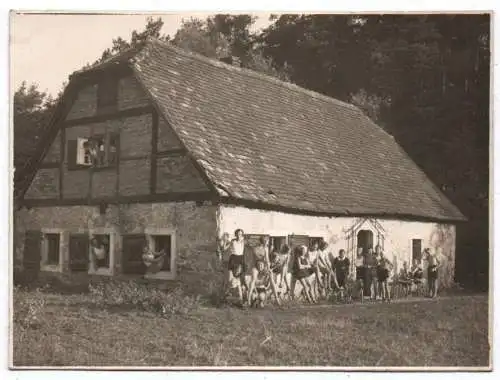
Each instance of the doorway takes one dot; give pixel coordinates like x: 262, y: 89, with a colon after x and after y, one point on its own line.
x: 365, y: 240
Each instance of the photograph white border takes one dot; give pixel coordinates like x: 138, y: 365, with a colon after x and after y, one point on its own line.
x: 217, y: 7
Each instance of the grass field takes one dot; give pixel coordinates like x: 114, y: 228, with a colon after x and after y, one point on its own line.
x: 77, y: 330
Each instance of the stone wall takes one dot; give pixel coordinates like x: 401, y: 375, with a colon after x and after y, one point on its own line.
x: 195, y: 227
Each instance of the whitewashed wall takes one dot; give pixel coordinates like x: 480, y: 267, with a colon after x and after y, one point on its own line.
x: 440, y: 238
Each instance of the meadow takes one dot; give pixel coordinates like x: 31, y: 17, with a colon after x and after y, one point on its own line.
x: 131, y: 324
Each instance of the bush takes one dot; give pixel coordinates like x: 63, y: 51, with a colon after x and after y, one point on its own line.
x: 133, y: 295
x: 28, y: 307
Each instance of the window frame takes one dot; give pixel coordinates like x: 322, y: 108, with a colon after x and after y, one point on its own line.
x: 421, y: 250
x: 44, y: 265
x: 111, y: 233
x: 73, y: 162
x: 150, y: 233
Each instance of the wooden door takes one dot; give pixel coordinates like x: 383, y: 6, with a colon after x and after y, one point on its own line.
x: 78, y: 253
x: 132, y: 262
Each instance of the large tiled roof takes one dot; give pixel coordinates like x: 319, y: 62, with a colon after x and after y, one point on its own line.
x: 264, y: 140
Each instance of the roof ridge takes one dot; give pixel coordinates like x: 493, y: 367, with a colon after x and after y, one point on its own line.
x: 253, y: 74
x: 110, y: 59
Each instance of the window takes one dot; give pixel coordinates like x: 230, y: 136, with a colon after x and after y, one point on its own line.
x: 416, y: 250
x: 161, y: 240
x: 313, y: 240
x: 101, y: 251
x: 276, y: 243
x: 98, y: 151
x: 107, y: 95
x: 365, y: 240
x: 51, y: 250
x: 163, y: 243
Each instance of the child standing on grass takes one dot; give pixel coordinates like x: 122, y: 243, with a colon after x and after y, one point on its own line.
x: 326, y: 272
x: 236, y: 262
x: 432, y: 273
x: 279, y: 267
x: 383, y: 268
x: 341, y: 264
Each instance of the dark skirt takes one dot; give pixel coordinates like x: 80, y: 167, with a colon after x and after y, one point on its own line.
x: 236, y: 264
x: 382, y: 274
x: 303, y: 273
x: 367, y: 282
x: 360, y: 273
x: 432, y: 272
x: 341, y: 277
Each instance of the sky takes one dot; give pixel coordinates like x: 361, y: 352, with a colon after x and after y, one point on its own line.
x: 46, y: 49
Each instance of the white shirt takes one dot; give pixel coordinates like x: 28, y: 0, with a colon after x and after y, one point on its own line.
x: 237, y: 247
x: 100, y: 253
x: 313, y: 256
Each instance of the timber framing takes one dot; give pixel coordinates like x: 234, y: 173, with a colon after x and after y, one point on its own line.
x: 197, y: 196
x: 131, y: 112
x: 154, y: 149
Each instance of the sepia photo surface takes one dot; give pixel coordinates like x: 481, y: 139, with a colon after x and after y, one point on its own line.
x: 251, y: 191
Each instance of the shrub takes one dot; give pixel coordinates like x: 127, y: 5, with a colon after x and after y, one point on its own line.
x: 134, y: 295
x: 28, y: 307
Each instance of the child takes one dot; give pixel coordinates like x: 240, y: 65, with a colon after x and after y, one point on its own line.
x: 383, y: 266
x: 313, y: 257
x: 262, y: 285
x: 279, y: 266
x: 432, y: 273
x: 302, y: 269
x: 341, y: 264
x: 326, y: 271
x: 416, y: 273
x: 99, y: 253
x: 236, y: 262
x: 153, y: 260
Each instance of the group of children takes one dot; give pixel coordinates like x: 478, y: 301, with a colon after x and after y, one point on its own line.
x: 264, y: 269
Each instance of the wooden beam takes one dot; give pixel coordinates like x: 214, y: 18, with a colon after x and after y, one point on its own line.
x: 61, y: 162
x: 153, y: 179
x: 171, y: 152
x: 198, y: 196
x: 50, y: 165
x: 131, y: 112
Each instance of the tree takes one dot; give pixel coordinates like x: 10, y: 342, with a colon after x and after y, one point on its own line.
x: 425, y: 78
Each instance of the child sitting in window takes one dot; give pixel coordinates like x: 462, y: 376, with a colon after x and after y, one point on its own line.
x: 99, y: 249
x: 153, y: 260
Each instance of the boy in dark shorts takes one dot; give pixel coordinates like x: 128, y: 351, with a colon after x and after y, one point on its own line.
x: 341, y: 266
x: 432, y: 273
x: 383, y: 270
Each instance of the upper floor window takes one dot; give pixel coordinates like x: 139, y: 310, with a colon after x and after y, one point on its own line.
x: 97, y: 151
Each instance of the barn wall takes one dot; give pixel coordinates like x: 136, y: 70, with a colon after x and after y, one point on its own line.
x: 195, y: 229
x: 440, y: 238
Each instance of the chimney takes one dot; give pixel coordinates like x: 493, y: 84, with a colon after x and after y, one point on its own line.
x: 228, y: 60
x: 231, y: 60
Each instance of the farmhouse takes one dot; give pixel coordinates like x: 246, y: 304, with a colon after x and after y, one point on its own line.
x: 191, y: 148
